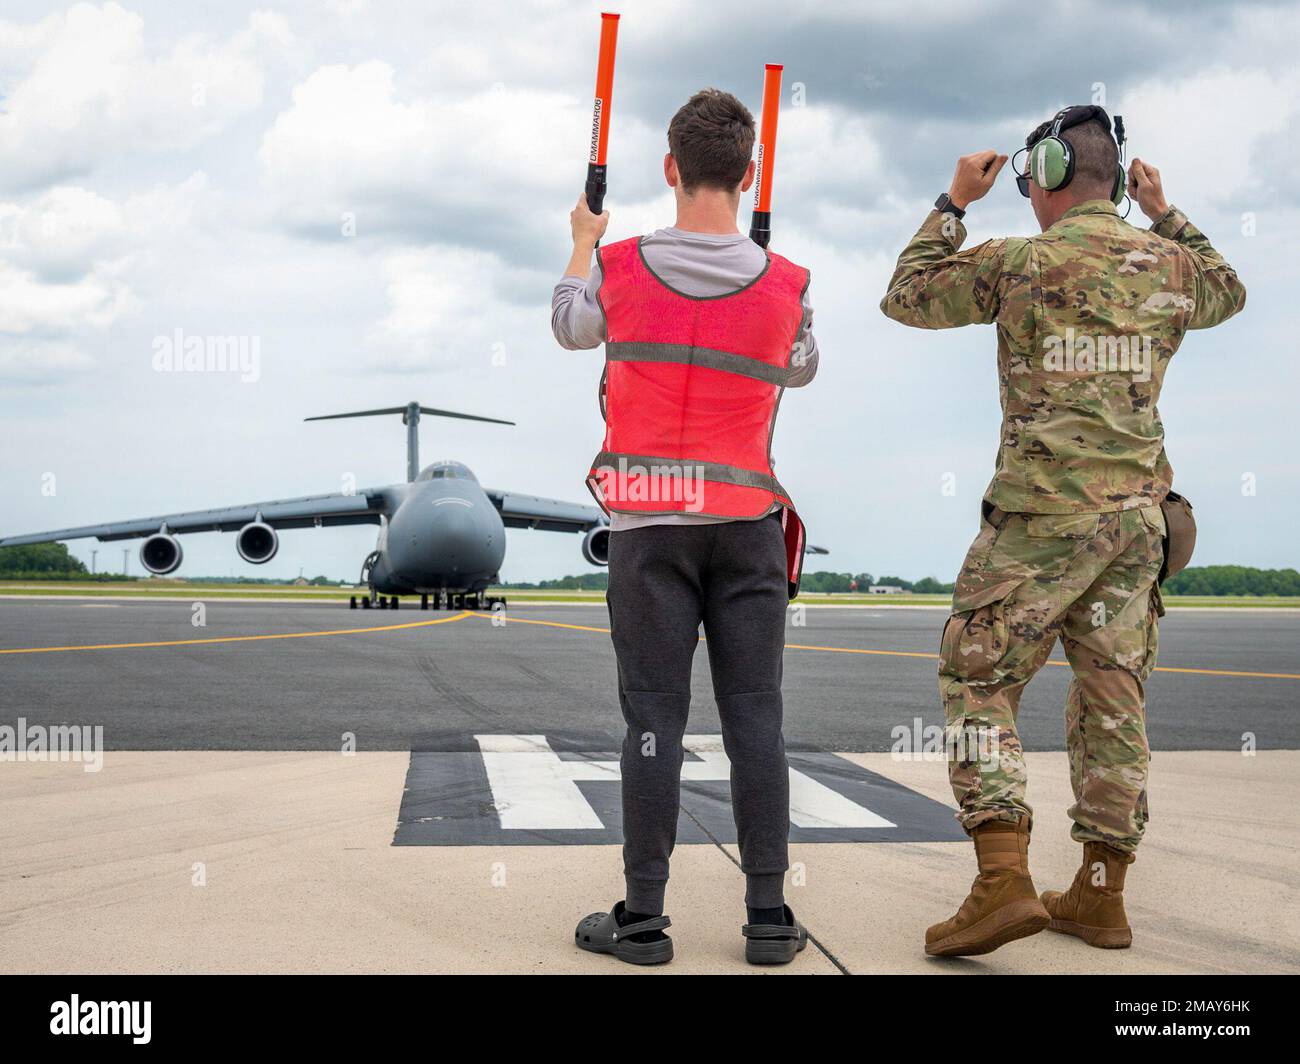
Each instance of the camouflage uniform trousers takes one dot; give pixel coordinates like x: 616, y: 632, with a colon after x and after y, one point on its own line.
x: 1029, y: 579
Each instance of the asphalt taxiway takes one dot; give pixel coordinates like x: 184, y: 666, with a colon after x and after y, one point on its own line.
x: 282, y: 677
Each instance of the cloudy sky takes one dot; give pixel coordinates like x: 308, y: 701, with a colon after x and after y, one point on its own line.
x: 377, y: 192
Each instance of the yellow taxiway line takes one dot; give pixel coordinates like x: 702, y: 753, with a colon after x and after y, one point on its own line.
x: 932, y: 657
x: 578, y: 628
x: 238, y: 638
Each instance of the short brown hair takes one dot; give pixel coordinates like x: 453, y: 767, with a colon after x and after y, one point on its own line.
x: 712, y: 139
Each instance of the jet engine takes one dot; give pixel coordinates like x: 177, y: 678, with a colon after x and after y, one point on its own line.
x: 161, y: 554
x: 257, y: 542
x: 595, y: 547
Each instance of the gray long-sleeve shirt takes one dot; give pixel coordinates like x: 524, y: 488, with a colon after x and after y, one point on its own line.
x: 699, y: 264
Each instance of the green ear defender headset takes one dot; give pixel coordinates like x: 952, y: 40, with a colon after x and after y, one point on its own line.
x: 1051, y: 159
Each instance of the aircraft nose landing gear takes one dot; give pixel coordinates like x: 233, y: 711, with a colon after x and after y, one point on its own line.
x: 373, y: 601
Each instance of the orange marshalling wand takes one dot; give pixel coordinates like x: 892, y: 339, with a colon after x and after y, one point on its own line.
x: 760, y: 227
x: 600, y: 113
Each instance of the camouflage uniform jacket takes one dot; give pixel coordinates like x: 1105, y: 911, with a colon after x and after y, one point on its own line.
x: 1088, y: 315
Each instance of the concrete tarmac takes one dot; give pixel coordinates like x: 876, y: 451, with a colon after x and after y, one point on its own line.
x: 282, y: 862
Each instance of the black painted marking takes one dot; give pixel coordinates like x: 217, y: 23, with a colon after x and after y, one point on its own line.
x: 447, y: 801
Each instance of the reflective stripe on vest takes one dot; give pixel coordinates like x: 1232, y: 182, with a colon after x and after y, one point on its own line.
x: 691, y: 389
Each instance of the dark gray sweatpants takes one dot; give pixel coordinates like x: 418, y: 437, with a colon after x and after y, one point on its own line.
x: 664, y: 581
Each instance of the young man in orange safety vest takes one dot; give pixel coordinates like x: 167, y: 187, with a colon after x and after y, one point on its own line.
x: 703, y: 331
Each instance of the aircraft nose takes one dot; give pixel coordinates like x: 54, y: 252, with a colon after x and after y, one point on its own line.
x: 446, y: 539
x: 462, y: 542
x: 457, y: 538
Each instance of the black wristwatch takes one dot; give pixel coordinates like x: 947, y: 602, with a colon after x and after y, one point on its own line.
x: 946, y: 206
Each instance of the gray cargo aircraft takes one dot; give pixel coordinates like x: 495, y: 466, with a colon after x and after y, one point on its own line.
x: 441, y: 535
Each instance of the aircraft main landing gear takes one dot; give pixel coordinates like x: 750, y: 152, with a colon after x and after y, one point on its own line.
x: 437, y: 600
x: 473, y: 600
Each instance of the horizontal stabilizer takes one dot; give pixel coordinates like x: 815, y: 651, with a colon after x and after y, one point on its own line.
x: 403, y: 410
x: 411, y: 419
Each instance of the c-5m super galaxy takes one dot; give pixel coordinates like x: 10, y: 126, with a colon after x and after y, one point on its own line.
x: 441, y: 535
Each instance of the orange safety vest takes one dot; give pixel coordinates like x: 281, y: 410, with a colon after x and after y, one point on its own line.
x: 690, y: 393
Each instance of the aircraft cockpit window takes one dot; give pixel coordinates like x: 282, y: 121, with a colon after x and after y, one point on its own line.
x: 451, y: 471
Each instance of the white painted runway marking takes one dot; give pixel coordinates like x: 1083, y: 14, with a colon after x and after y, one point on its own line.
x: 534, y: 790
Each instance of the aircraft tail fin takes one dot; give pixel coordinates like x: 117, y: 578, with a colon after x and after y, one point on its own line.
x: 411, y: 419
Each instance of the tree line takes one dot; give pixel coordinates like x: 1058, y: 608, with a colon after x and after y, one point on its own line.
x: 51, y: 561
x: 1233, y: 580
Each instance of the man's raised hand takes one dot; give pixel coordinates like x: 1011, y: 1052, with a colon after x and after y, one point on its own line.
x: 1144, y: 186
x: 587, y: 228
x: 974, y: 177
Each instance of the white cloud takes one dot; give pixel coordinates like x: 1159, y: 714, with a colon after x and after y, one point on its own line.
x: 62, y: 234
x: 1203, y: 131
x: 827, y: 160
x: 29, y: 305
x: 443, y: 309
x: 40, y: 362
x: 88, y: 87
x: 66, y: 259
x: 453, y: 165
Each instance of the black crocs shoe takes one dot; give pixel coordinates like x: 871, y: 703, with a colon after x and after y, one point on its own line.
x: 774, y: 943
x: 600, y: 933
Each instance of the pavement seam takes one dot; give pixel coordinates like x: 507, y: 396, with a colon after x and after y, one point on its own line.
x: 811, y: 937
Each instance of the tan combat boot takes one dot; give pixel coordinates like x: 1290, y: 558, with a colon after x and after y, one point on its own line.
x: 1002, y: 905
x: 1093, y: 908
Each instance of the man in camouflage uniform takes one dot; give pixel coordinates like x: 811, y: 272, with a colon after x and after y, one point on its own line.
x: 1088, y: 316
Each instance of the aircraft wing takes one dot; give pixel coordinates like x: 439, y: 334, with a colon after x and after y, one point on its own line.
x: 363, y: 507
x: 810, y: 549
x: 547, y: 515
